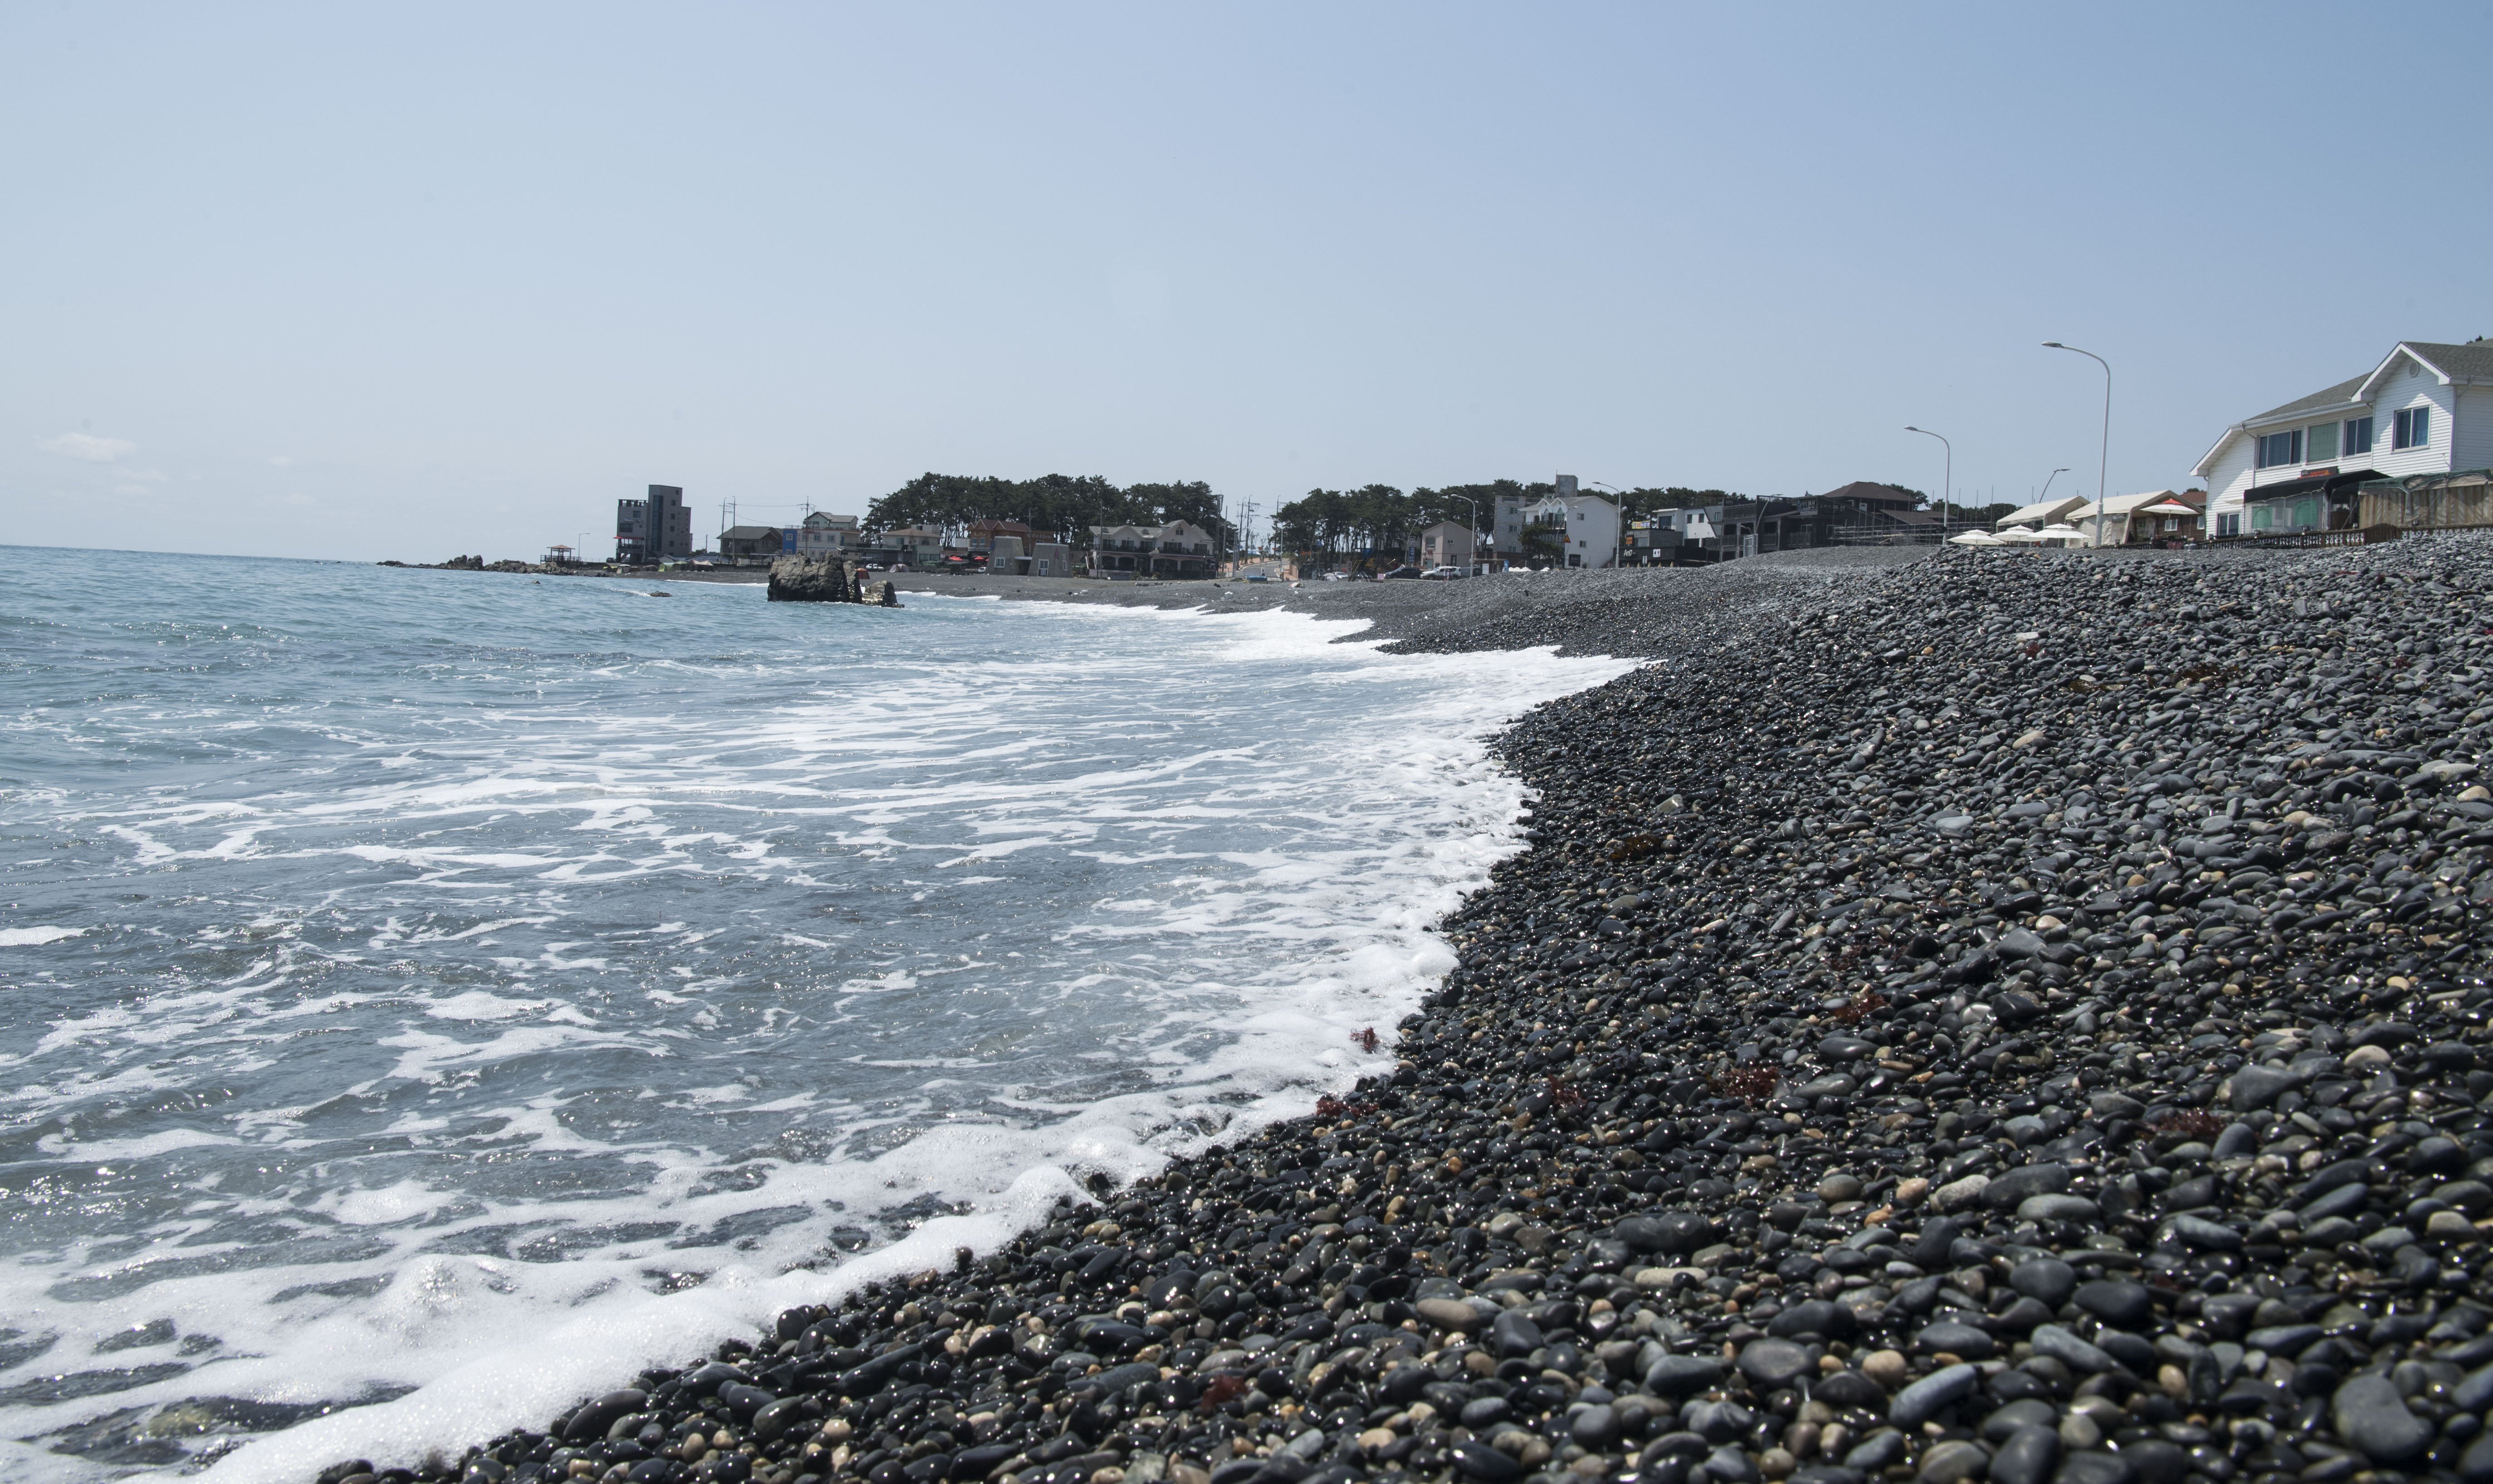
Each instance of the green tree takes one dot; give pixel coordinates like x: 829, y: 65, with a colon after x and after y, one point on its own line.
x: 1059, y: 507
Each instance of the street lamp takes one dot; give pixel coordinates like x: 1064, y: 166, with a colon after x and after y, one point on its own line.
x: 2104, y: 462
x: 1948, y: 488
x: 2047, y: 485
x: 1618, y: 523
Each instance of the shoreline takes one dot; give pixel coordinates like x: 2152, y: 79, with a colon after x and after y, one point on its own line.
x: 1927, y: 1038
x: 1631, y: 611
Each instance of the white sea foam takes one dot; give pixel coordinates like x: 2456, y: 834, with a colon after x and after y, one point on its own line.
x: 533, y: 1009
x: 26, y: 937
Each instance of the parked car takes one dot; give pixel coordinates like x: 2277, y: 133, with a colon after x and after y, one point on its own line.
x: 1399, y: 571
x: 1446, y: 574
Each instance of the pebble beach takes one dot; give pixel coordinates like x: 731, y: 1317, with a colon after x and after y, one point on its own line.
x: 1995, y: 1016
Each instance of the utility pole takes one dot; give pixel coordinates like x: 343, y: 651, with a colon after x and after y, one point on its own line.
x: 2103, y: 465
x: 1947, y: 480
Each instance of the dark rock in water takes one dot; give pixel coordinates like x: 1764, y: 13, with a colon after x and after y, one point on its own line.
x: 1915, y: 1404
x: 1514, y: 1334
x: 1673, y: 1232
x: 2064, y: 1346
x: 2027, y: 1457
x: 815, y: 580
x: 2199, y: 1231
x: 2127, y: 1467
x: 1815, y: 1317
x: 2475, y: 1465
x: 1480, y: 1461
x: 2048, y: 1279
x: 2372, y: 1417
x: 1775, y: 1363
x: 1950, y: 1338
x: 1680, y: 1374
x: 593, y: 1419
x: 1848, y: 1389
x: 2006, y: 1190
x: 2259, y: 1086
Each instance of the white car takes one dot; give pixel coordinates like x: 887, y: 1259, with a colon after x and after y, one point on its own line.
x: 1446, y: 574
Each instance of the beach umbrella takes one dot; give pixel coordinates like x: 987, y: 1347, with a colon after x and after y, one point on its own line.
x: 1976, y: 539
x: 2020, y: 535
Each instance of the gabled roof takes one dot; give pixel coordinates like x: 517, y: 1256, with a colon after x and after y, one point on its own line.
x: 2042, y: 512
x: 2468, y: 363
x: 749, y: 532
x: 2121, y: 504
x: 2336, y: 396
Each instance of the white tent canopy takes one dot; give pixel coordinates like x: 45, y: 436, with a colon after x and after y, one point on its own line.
x: 1976, y: 539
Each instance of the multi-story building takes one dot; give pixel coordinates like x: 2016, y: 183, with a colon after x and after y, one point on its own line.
x: 2426, y: 408
x: 1860, y: 513
x: 1667, y: 537
x: 1179, y: 549
x: 825, y: 535
x: 658, y: 528
x: 1446, y: 544
x: 1586, y: 528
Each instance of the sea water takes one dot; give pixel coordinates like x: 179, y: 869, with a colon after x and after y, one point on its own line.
x: 434, y: 997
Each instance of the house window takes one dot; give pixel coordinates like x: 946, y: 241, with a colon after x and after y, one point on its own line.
x: 2281, y: 448
x: 2412, y: 429
x: 2262, y: 518
x: 2229, y: 524
x: 2320, y: 442
x: 2358, y: 436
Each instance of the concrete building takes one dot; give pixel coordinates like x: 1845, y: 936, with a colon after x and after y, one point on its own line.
x: 657, y: 528
x: 826, y: 535
x: 1446, y: 544
x: 1586, y: 527
x: 1506, y: 527
x: 1679, y: 536
x: 2425, y: 410
x: 1179, y: 549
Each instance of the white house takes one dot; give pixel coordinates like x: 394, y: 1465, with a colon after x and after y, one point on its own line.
x: 1586, y: 524
x: 2427, y: 408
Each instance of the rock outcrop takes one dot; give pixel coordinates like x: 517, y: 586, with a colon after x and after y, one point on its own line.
x: 826, y: 580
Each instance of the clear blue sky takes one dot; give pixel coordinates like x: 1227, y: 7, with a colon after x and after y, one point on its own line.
x: 366, y: 282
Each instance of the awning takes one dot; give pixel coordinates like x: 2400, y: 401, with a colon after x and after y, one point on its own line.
x: 2317, y: 484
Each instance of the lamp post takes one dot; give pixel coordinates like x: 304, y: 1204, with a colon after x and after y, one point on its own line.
x: 2104, y: 462
x: 1618, y: 523
x: 1949, y: 467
